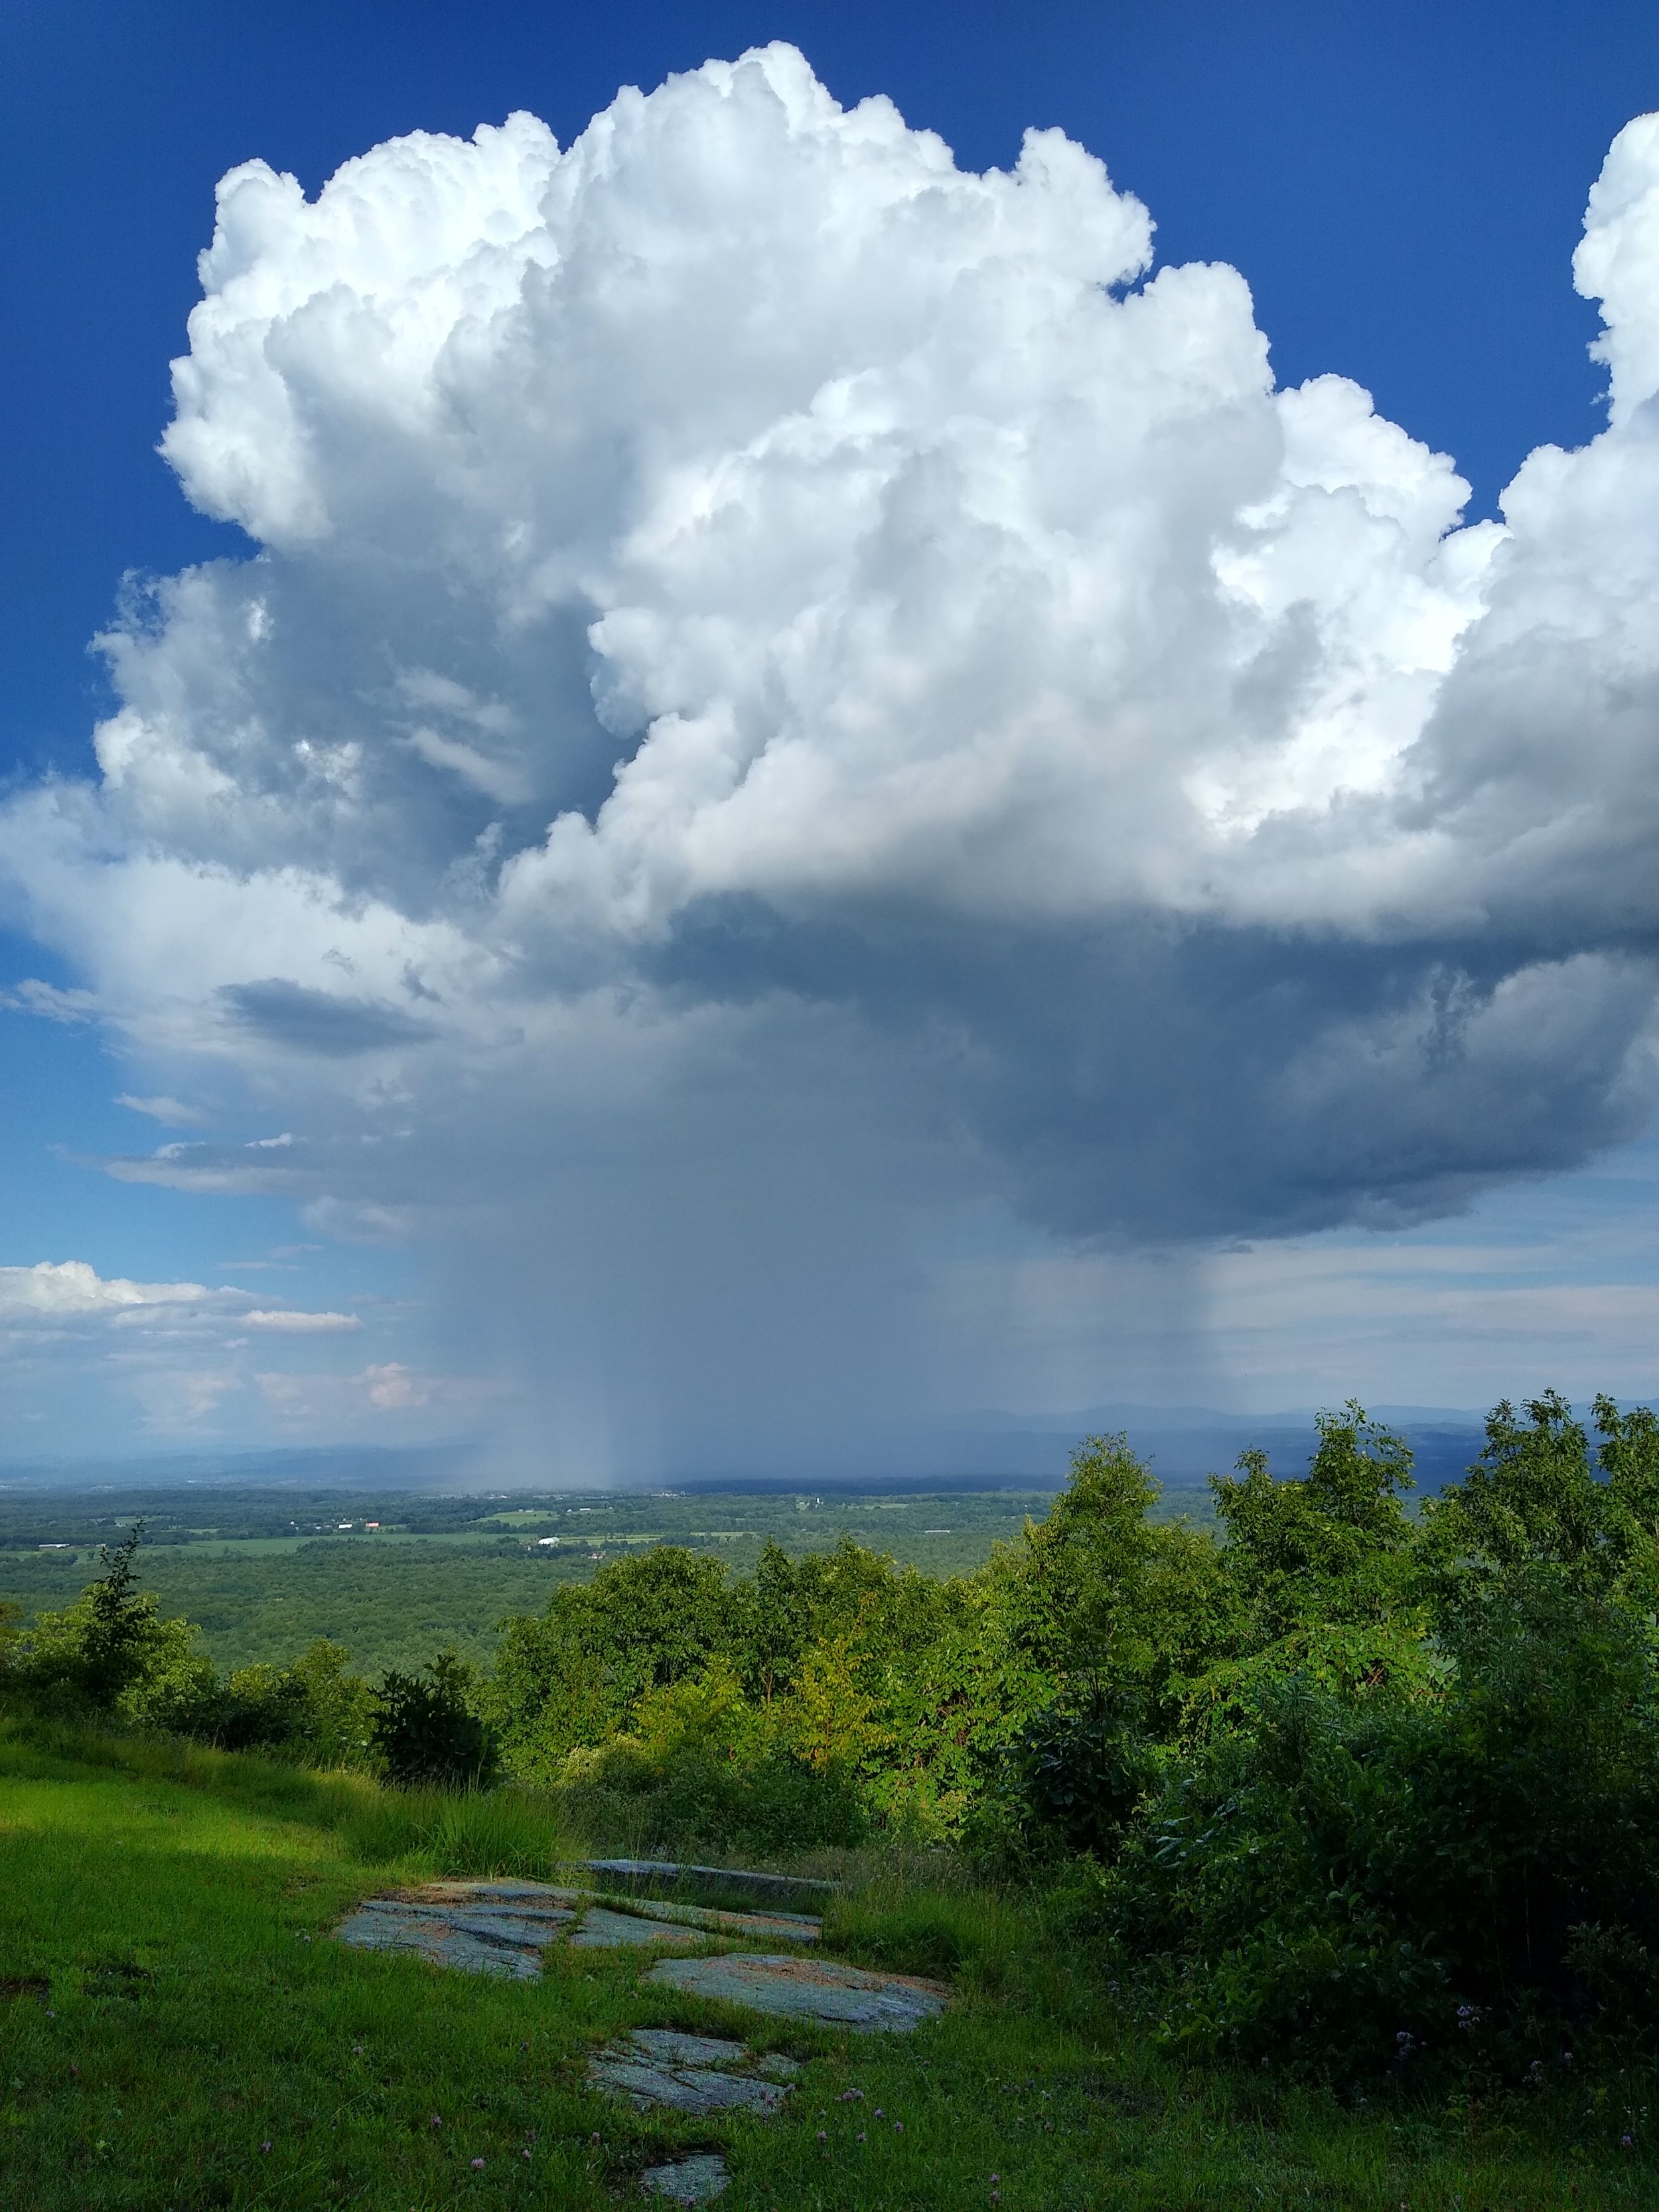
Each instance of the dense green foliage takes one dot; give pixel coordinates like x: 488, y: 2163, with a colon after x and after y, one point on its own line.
x: 1320, y: 1782
x: 423, y: 1730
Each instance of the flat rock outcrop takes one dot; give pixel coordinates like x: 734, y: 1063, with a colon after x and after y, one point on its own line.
x: 687, y: 2180
x: 659, y: 2069
x: 478, y: 1927
x: 503, y: 1927
x: 780, y: 1927
x: 784, y: 1889
x: 808, y: 1989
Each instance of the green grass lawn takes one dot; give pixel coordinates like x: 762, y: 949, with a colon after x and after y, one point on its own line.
x: 176, y: 2030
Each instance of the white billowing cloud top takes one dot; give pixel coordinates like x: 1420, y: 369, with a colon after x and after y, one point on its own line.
x: 834, y: 493
x: 747, y: 611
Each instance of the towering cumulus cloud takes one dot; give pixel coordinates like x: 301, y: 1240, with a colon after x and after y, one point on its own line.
x: 785, y: 686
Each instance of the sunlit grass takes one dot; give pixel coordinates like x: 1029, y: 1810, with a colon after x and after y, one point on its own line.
x: 176, y: 2006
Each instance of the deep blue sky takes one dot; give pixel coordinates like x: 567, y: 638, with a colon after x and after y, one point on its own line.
x: 1401, y: 185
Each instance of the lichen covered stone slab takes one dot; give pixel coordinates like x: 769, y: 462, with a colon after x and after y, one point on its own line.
x: 774, y: 1927
x: 808, y: 1989
x: 670, y: 2047
x: 475, y: 1927
x: 687, y: 2180
x: 658, y: 1875
x: 502, y: 1927
x: 602, y: 1929
x: 659, y: 2068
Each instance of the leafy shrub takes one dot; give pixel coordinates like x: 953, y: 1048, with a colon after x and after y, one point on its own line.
x: 1332, y: 1547
x: 423, y: 1730
x: 1356, y: 1879
x: 1082, y: 1768
x: 693, y: 1803
x: 103, y: 1645
x: 312, y: 1709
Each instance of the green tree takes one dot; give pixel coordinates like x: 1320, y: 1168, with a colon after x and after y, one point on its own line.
x: 1530, y: 1503
x: 104, y: 1644
x: 1331, y: 1548
x: 1073, y: 1596
x: 574, y: 1677
x: 424, y: 1731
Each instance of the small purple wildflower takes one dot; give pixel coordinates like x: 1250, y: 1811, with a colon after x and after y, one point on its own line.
x: 264, y: 2146
x: 478, y: 2166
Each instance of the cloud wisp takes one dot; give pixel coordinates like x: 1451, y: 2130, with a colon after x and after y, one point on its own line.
x: 789, y: 691
x: 55, y: 1294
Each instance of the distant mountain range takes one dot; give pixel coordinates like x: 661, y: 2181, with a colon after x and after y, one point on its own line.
x: 987, y: 1449
x: 1183, y: 1444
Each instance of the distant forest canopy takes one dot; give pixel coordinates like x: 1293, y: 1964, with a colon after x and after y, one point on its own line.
x: 266, y: 1566
x: 1329, y: 1778
x: 262, y: 1576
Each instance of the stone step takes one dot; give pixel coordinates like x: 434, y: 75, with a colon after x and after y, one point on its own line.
x: 659, y: 2068
x: 786, y: 1927
x: 645, y: 1875
x: 808, y: 1989
x: 687, y: 2180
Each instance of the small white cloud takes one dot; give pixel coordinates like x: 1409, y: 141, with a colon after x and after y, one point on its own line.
x: 177, y: 1400
x: 171, y: 1112
x: 285, y: 1322
x: 360, y: 1222
x: 221, y: 1170
x: 32, y: 997
x: 393, y: 1387
x: 498, y: 780
x: 71, y: 1290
